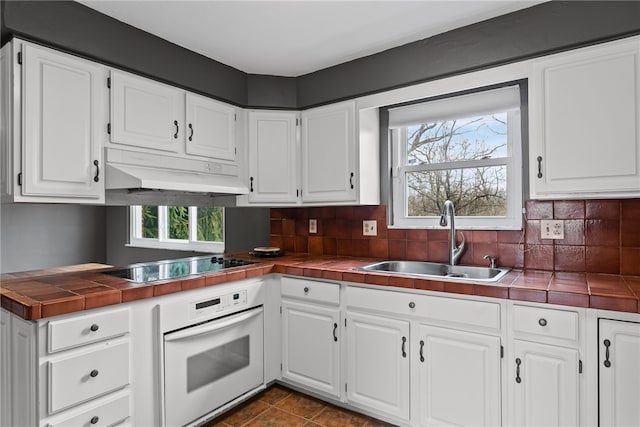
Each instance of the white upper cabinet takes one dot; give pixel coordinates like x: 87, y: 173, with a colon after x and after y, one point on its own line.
x: 329, y: 153
x: 331, y: 158
x: 585, y: 110
x: 151, y: 115
x: 210, y: 128
x: 145, y: 113
x: 273, y: 171
x: 60, y: 127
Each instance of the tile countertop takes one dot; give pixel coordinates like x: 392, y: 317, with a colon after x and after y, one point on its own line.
x: 44, y: 293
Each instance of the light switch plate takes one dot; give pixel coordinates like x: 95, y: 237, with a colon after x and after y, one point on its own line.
x: 313, y: 226
x: 370, y: 228
x: 552, y: 229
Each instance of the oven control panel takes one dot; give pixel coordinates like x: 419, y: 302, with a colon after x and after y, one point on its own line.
x: 218, y: 304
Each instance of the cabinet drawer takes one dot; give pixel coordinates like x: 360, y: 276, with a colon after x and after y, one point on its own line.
x: 106, y: 414
x: 84, y: 376
x: 310, y: 290
x: 451, y: 311
x: 545, y: 322
x: 68, y: 333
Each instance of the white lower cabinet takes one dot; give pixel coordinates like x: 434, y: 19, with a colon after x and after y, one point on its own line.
x: 547, y: 388
x: 311, y: 335
x: 85, y: 383
x: 459, y: 377
x: 545, y: 380
x: 378, y: 364
x: 423, y: 360
x: 619, y: 372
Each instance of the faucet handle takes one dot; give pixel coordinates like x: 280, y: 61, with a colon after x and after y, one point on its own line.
x: 492, y: 260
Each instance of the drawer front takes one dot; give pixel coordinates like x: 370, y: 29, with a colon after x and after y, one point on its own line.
x: 82, y: 377
x: 107, y: 414
x: 466, y: 313
x: 311, y: 290
x: 546, y: 322
x: 68, y: 333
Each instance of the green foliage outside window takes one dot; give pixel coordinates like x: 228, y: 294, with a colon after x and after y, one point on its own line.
x: 150, y: 222
x: 210, y: 223
x: 178, y: 222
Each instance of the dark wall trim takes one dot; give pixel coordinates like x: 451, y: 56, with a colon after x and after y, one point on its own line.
x: 271, y: 91
x: 78, y: 29
x: 548, y: 27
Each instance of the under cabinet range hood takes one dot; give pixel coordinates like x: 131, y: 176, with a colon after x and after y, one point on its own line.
x: 135, y: 173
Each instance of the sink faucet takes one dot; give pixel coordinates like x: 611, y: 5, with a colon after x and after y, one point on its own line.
x: 455, y: 252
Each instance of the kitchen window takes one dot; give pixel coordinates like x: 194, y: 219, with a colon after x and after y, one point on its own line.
x: 464, y: 148
x: 178, y: 228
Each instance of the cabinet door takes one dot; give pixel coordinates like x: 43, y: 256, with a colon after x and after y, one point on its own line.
x: 210, y: 128
x: 378, y: 364
x: 62, y: 119
x: 329, y: 153
x: 585, y: 107
x: 145, y: 113
x: 459, y: 378
x: 273, y: 167
x: 619, y: 344
x: 311, y: 347
x: 546, y: 385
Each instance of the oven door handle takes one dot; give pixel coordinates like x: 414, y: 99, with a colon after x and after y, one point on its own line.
x: 212, y: 326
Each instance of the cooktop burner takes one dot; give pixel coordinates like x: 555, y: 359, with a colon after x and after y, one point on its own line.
x: 172, y: 269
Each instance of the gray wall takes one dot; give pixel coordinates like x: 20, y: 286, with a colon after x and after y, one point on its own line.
x: 542, y: 29
x: 35, y: 236
x: 245, y: 228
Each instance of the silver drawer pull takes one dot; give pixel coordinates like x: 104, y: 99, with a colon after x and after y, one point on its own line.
x: 94, y: 327
x: 93, y: 373
x: 542, y: 322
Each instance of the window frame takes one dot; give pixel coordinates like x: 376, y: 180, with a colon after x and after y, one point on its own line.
x: 163, y: 241
x: 514, y: 179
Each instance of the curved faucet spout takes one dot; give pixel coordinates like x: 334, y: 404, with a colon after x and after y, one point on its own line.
x: 455, y: 252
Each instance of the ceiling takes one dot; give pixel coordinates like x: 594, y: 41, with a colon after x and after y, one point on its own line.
x: 292, y: 38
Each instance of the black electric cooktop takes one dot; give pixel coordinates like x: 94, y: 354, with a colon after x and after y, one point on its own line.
x: 172, y: 269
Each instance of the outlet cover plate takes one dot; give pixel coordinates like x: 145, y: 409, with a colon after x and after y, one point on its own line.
x: 313, y: 226
x: 552, y: 229
x: 370, y: 228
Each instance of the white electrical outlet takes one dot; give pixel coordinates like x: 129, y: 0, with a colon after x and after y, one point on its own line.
x: 313, y: 226
x: 370, y: 228
x: 552, y: 229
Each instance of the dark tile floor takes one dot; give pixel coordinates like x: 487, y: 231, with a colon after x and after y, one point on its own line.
x: 280, y: 406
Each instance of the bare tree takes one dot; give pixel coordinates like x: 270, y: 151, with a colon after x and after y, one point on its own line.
x: 473, y: 190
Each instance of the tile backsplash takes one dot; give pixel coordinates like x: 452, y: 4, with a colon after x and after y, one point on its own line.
x: 601, y: 236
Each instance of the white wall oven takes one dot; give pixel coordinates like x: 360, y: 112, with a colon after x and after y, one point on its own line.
x: 213, y: 351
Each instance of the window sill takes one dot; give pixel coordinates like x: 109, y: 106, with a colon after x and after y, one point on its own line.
x: 187, y: 247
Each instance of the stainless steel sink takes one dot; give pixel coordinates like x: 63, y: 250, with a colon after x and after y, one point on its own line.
x: 437, y: 270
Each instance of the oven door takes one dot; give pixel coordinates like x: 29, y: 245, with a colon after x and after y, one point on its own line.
x: 211, y: 364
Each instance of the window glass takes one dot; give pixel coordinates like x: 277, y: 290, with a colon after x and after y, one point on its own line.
x: 209, y: 224
x: 150, y: 223
x: 178, y: 222
x: 465, y: 149
x: 178, y: 227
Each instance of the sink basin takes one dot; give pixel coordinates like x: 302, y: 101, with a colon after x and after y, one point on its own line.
x: 437, y: 270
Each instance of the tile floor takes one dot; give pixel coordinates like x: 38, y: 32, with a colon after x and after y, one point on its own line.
x: 280, y: 406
